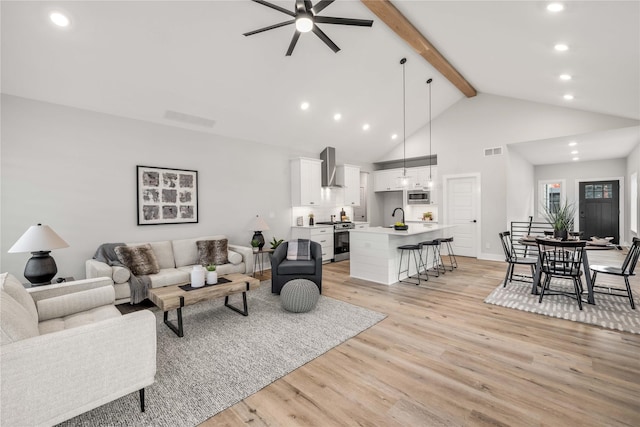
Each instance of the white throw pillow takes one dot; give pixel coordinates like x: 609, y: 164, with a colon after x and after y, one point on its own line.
x: 234, y: 257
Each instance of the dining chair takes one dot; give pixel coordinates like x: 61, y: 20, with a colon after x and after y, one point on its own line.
x: 627, y: 269
x: 562, y: 260
x: 512, y: 258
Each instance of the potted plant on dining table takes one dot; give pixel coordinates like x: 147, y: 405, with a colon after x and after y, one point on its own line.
x: 560, y: 217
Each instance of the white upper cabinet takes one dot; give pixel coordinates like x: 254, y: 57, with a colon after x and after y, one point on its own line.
x: 387, y: 180
x: 348, y: 176
x: 306, y: 182
x: 421, y: 176
x: 417, y: 178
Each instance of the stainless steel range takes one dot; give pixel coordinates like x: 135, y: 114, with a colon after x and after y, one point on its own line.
x: 340, y: 239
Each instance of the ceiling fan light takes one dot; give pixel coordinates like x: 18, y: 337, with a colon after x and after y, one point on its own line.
x: 304, y: 24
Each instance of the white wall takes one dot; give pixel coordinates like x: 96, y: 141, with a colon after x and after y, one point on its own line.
x: 75, y: 170
x: 632, y: 166
x: 521, y: 188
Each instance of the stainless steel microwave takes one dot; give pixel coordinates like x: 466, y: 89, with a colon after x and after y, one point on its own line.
x: 418, y: 197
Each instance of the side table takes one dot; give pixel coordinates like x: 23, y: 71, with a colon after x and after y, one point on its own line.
x: 54, y: 281
x: 258, y: 260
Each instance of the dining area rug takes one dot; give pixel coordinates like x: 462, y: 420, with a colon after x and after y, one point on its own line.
x: 609, y: 312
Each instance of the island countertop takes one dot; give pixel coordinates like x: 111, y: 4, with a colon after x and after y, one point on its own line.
x: 374, y: 253
x: 413, y: 229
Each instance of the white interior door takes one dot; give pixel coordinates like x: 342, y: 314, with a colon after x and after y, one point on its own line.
x: 462, y: 209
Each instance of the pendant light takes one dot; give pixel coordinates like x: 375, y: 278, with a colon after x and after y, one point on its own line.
x: 430, y: 182
x: 403, y: 180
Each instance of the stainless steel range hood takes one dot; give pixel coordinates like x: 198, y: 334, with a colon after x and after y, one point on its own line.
x: 328, y: 157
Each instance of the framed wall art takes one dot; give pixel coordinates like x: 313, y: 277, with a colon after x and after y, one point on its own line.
x: 167, y: 196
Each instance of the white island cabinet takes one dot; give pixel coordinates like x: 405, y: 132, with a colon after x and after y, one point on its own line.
x: 374, y: 253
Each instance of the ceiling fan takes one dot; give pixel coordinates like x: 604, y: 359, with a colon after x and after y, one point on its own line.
x: 306, y: 19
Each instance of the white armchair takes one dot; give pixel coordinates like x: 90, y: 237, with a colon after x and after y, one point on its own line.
x: 66, y: 349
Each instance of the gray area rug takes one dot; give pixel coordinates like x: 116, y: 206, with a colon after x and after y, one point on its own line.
x: 609, y: 312
x: 225, y: 357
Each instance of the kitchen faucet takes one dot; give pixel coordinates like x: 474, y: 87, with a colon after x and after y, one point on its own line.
x: 401, y: 210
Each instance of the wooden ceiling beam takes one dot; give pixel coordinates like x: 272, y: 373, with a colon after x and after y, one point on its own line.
x: 395, y: 20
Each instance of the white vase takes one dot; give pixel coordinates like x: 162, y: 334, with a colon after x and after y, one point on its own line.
x: 197, y: 276
x: 212, y: 277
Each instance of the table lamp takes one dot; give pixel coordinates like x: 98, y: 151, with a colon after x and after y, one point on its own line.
x: 39, y: 240
x: 258, y: 226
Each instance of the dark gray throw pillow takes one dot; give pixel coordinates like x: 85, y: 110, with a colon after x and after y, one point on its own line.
x: 213, y: 252
x: 139, y: 259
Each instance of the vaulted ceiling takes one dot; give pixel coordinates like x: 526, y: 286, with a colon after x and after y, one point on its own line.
x: 186, y: 63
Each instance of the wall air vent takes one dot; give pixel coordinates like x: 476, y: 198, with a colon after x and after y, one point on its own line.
x: 496, y: 151
x: 189, y: 119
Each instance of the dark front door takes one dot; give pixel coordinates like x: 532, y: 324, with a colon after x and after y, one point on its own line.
x: 599, y: 208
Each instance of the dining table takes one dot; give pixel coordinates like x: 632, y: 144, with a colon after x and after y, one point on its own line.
x: 590, y: 246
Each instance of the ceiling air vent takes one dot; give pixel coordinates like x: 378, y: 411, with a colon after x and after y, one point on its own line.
x: 188, y: 118
x: 496, y: 151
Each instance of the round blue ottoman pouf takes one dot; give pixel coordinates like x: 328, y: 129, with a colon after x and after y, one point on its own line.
x: 299, y: 295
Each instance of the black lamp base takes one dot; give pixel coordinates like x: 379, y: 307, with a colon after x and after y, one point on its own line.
x: 257, y: 235
x: 40, y: 268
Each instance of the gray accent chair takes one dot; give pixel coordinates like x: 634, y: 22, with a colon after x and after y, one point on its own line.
x: 283, y: 270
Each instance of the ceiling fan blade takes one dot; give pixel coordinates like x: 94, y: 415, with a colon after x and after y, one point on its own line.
x: 270, y: 27
x: 321, y: 5
x: 318, y: 32
x: 273, y: 6
x: 343, y: 21
x: 294, y: 40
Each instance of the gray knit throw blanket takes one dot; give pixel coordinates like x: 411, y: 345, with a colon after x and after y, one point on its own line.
x: 137, y: 284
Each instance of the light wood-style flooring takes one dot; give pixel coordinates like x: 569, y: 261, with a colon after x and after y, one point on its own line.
x: 442, y: 357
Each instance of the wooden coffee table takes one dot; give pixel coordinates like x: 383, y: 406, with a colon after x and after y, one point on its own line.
x: 174, y: 298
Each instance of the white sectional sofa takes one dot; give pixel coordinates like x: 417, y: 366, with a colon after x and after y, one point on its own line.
x: 176, y: 259
x: 66, y: 349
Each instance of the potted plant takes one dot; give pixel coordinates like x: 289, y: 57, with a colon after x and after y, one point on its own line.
x: 255, y: 244
x: 275, y: 243
x: 560, y: 217
x: 212, y: 275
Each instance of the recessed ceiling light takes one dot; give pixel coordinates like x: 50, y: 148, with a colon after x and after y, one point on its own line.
x: 561, y: 47
x: 575, y: 159
x: 573, y: 144
x: 565, y: 77
x: 337, y: 117
x: 555, y: 7
x: 394, y: 136
x: 365, y: 126
x: 568, y: 97
x: 60, y: 19
x: 574, y: 152
x: 304, y: 106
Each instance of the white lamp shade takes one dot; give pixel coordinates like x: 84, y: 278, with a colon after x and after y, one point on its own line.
x: 38, y: 238
x: 258, y: 224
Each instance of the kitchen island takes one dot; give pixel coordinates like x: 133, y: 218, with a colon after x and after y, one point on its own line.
x: 374, y: 251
